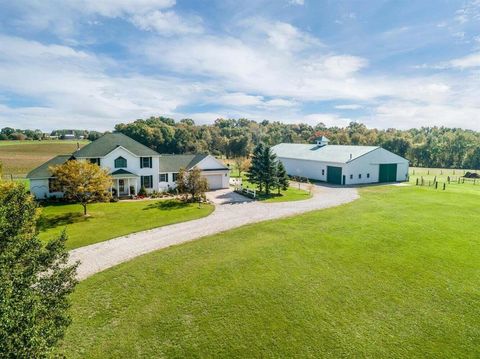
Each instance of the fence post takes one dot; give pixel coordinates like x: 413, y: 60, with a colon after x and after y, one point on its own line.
x: 448, y: 179
x: 436, y: 185
x: 417, y: 182
x: 444, y: 186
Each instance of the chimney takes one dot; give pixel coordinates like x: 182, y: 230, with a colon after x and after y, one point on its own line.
x: 322, y: 141
x: 78, y: 146
x: 351, y: 156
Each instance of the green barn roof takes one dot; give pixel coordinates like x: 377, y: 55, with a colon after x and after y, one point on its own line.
x: 108, y: 142
x: 43, y: 171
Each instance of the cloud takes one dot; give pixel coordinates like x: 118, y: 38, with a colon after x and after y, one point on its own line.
x: 297, y: 2
x: 348, y: 107
x: 469, y: 61
x: 167, y: 23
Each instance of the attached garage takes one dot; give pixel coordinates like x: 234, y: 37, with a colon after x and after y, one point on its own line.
x: 341, y: 165
x: 215, y: 181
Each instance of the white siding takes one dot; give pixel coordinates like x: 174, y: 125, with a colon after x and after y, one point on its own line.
x: 367, y: 166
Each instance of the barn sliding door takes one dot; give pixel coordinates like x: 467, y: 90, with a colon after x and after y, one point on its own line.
x: 334, y: 175
x: 388, y: 173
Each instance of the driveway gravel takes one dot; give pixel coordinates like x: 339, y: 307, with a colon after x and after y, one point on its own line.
x: 100, y: 256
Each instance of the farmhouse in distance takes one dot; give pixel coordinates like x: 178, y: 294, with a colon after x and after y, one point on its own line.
x: 342, y: 165
x: 132, y: 166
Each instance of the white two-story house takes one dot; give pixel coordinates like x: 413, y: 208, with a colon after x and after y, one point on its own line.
x: 131, y: 165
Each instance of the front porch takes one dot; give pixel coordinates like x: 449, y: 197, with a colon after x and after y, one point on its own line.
x: 125, y: 183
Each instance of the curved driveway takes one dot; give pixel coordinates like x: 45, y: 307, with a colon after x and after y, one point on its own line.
x: 100, y: 256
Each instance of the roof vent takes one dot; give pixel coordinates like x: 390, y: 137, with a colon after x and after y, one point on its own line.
x: 351, y: 156
x: 322, y: 141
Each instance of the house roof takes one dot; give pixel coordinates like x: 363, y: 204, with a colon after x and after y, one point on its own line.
x: 108, y: 142
x: 328, y: 153
x: 172, y: 163
x: 122, y: 172
x: 43, y: 171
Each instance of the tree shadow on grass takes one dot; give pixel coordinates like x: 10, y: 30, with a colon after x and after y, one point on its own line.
x: 44, y: 223
x: 166, y: 205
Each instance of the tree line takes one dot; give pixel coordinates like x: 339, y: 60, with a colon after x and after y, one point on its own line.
x: 423, y: 147
x: 10, y: 133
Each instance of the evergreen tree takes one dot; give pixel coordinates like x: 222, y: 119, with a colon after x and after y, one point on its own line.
x: 269, y: 169
x: 282, y: 177
x: 35, y: 280
x: 255, y: 173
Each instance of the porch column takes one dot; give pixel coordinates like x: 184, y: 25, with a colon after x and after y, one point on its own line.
x: 128, y: 184
x: 118, y: 188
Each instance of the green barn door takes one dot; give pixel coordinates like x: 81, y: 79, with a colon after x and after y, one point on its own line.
x: 334, y: 175
x: 388, y: 173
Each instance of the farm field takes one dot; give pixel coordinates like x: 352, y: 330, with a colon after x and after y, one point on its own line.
x: 110, y: 220
x: 20, y: 157
x: 457, y: 182
x: 393, y: 274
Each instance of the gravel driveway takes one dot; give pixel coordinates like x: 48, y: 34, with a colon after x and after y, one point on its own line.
x: 100, y: 256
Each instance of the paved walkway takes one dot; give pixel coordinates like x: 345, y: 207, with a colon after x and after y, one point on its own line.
x: 100, y: 256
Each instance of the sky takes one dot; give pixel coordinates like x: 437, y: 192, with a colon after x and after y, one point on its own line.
x: 94, y: 63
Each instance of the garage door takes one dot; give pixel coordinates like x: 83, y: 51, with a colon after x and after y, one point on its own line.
x: 334, y: 175
x: 214, y: 181
x: 388, y: 173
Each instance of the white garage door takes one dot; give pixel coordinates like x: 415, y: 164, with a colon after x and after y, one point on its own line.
x: 214, y: 181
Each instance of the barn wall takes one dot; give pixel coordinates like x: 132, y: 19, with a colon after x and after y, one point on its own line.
x: 367, y: 166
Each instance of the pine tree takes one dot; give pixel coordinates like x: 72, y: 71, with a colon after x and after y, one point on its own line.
x: 35, y: 280
x: 269, y: 169
x: 255, y: 173
x: 282, y: 177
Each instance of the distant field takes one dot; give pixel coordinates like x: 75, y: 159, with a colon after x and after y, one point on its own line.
x: 443, y: 175
x: 20, y: 157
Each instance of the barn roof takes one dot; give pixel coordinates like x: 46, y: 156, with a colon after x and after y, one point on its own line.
x: 328, y: 153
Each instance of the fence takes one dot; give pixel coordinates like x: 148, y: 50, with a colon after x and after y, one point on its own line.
x: 252, y: 193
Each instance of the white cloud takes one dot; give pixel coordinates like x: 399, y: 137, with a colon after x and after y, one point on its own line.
x: 297, y: 2
x: 114, y: 8
x: 469, y: 61
x: 167, y: 23
x: 348, y: 107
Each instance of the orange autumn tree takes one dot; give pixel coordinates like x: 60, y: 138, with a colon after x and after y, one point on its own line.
x: 83, y: 182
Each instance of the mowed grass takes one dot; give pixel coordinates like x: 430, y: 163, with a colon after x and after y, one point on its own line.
x: 20, y: 157
x: 293, y: 193
x: 110, y: 220
x: 394, y: 274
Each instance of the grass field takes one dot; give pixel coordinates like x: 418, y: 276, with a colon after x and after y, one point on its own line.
x: 394, y: 274
x: 442, y: 175
x: 19, y: 157
x: 110, y: 220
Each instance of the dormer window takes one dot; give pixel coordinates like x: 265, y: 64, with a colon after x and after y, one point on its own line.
x: 120, y: 162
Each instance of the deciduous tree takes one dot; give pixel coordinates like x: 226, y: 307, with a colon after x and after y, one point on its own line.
x: 83, y: 182
x: 35, y: 280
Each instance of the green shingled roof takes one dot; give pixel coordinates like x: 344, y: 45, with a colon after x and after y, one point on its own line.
x: 172, y: 163
x: 328, y: 153
x: 108, y: 142
x: 43, y: 171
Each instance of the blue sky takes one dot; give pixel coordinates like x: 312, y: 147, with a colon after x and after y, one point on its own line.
x: 93, y: 63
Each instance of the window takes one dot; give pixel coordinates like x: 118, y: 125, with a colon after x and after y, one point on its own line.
x: 351, y: 176
x: 147, y: 181
x: 145, y: 162
x: 360, y: 176
x: 163, y: 177
x: 95, y: 161
x: 323, y: 172
x: 120, y: 162
x: 368, y: 175
x: 53, y: 185
x: 174, y: 177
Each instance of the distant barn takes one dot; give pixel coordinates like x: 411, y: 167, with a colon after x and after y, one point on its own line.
x: 342, y: 165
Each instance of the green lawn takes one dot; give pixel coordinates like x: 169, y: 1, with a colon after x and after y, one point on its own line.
x: 394, y: 274
x: 293, y: 193
x: 110, y: 220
